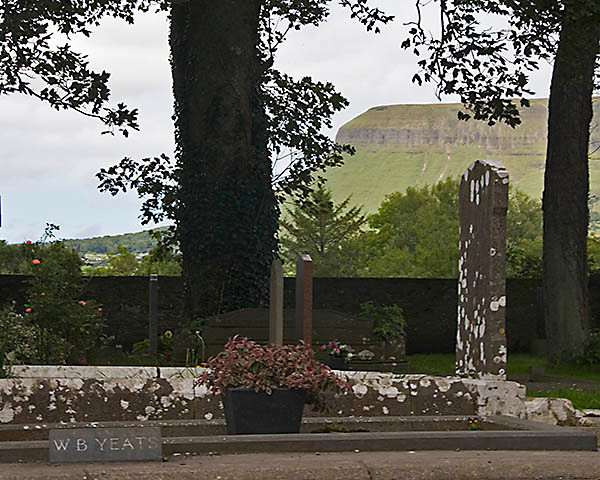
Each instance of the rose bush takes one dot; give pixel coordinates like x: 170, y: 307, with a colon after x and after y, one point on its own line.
x: 71, y: 326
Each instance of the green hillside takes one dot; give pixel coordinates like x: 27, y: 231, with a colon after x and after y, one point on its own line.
x: 139, y: 242
x: 398, y: 146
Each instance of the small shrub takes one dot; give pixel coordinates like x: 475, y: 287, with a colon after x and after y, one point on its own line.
x: 19, y: 340
x: 592, y: 351
x: 164, y: 349
x: 388, y: 320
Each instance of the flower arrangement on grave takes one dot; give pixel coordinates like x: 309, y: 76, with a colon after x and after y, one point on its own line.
x: 337, y: 349
x: 263, y: 368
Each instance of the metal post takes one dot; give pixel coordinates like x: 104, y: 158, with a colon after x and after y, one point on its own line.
x: 153, y: 315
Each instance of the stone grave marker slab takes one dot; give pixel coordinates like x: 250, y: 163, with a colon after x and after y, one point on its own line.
x: 276, y: 303
x: 481, y: 337
x: 70, y: 445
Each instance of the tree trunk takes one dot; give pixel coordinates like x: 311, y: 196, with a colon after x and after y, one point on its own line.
x: 227, y: 218
x: 566, y: 185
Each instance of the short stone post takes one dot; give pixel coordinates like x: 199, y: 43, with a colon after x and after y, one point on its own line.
x: 276, y: 304
x: 153, y: 315
x: 304, y: 299
x: 480, y: 337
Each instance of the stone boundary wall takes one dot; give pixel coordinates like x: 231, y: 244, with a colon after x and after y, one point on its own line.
x: 49, y: 394
x: 429, y: 305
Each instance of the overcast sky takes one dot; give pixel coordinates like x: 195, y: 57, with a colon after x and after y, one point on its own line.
x: 49, y: 158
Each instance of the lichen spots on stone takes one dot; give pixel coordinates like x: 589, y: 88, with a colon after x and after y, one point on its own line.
x: 7, y: 414
x: 201, y: 391
x: 359, y: 390
x: 389, y: 392
x: 442, y: 384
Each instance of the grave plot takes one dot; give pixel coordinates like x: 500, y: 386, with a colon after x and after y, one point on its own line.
x: 123, y: 441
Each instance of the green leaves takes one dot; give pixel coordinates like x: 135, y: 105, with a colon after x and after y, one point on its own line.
x: 245, y: 363
x: 388, y: 320
x: 322, y: 229
x: 33, y: 63
x: 70, y: 326
x: 487, y: 66
x: 297, y: 113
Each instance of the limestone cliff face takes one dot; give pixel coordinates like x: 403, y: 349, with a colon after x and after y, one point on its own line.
x: 401, y: 146
x: 431, y: 125
x: 415, y: 137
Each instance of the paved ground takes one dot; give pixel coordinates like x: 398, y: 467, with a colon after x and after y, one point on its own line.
x: 429, y: 465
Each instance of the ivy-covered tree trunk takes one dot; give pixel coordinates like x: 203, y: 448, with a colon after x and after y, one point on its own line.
x: 567, y: 185
x: 228, y: 216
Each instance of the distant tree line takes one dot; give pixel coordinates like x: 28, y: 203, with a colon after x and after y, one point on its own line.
x: 413, y: 234
x: 140, y: 242
x: 122, y: 262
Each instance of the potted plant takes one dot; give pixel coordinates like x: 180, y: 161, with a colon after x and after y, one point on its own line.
x: 339, y: 354
x: 264, y: 388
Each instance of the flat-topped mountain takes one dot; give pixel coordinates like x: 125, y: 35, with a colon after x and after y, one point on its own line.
x: 412, y: 145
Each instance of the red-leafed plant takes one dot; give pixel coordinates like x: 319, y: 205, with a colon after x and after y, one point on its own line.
x: 244, y: 363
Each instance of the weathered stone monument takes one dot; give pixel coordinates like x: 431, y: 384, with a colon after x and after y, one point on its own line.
x: 276, y: 304
x: 304, y: 299
x: 480, y: 337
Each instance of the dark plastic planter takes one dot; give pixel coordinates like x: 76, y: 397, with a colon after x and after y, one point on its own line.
x: 247, y: 411
x: 337, y: 363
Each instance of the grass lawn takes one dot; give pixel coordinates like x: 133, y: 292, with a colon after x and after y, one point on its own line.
x: 519, y: 363
x: 443, y: 364
x: 579, y: 398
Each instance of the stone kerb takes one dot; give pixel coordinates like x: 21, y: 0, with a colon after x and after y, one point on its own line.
x: 481, y: 338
